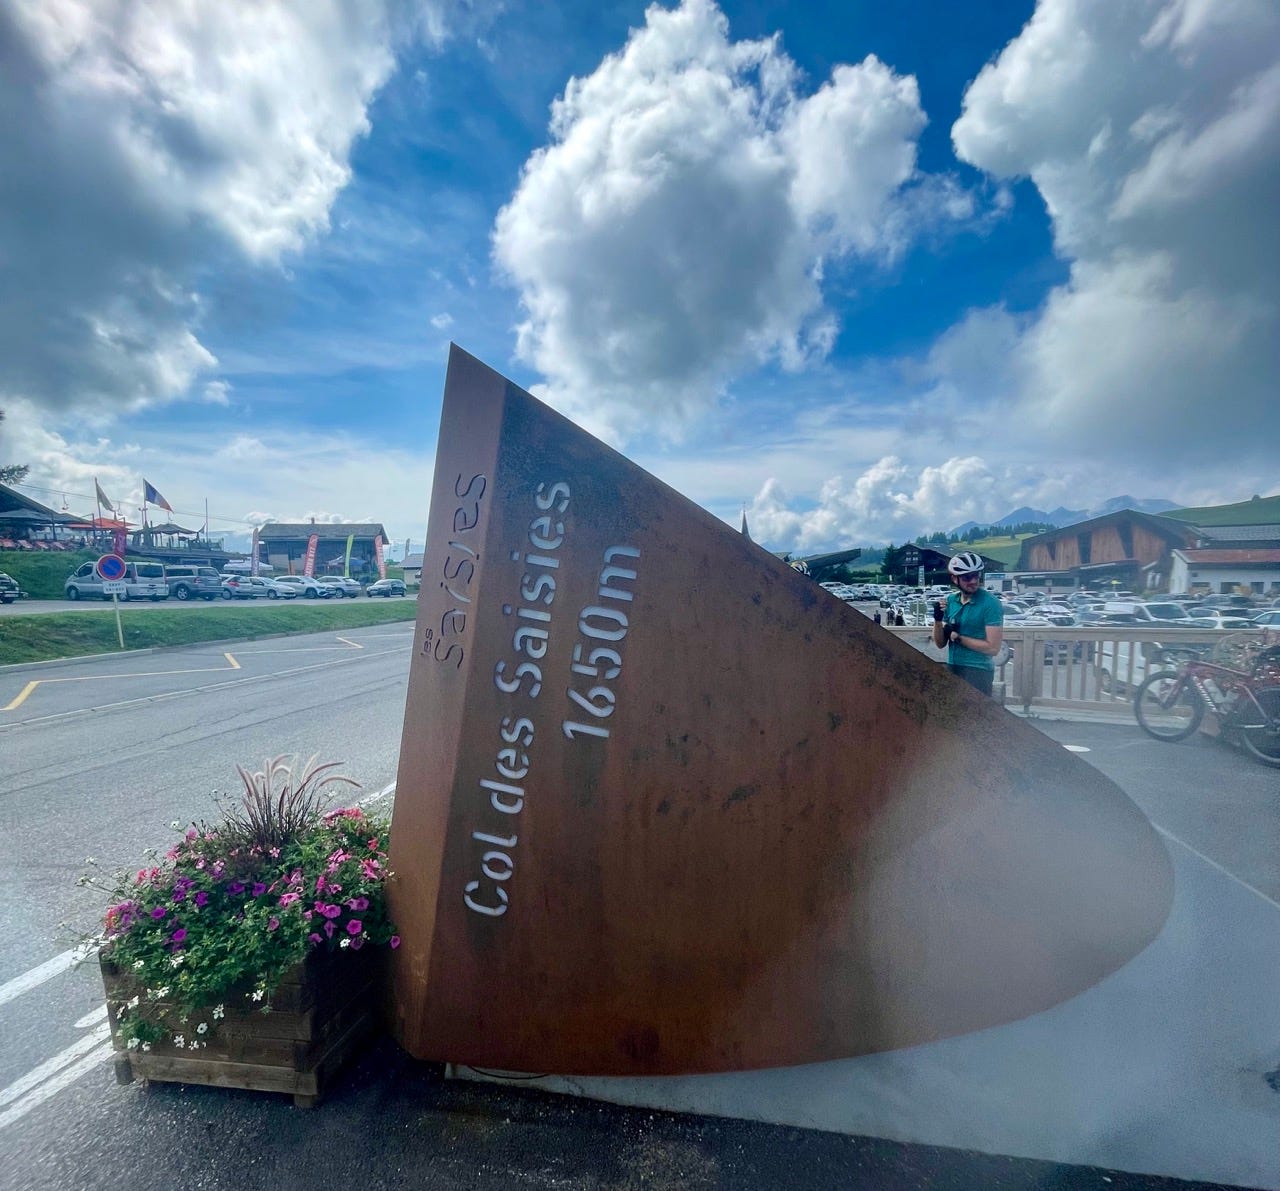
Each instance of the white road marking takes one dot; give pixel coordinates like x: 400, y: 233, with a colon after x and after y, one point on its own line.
x: 1214, y: 864
x: 37, y: 1075
x: 381, y: 794
x: 63, y: 1079
x: 38, y: 975
x: 349, y: 657
x: 1076, y: 748
x: 92, y: 1017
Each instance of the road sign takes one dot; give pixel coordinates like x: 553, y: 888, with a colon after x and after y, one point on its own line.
x: 110, y: 566
x: 113, y: 586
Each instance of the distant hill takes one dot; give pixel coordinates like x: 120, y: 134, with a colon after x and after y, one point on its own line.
x: 1063, y: 516
x: 1261, y: 510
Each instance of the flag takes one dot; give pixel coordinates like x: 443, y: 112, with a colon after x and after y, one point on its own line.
x: 152, y: 497
x: 346, y: 561
x: 255, y: 565
x: 102, y: 497
x: 309, y: 567
x: 378, y: 557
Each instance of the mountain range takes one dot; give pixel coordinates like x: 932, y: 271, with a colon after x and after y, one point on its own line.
x: 1063, y: 516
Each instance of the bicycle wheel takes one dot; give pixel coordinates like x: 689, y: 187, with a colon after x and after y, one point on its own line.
x: 1162, y: 713
x: 1260, y: 731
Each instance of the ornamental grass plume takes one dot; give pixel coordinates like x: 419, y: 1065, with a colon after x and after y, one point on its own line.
x: 234, y: 905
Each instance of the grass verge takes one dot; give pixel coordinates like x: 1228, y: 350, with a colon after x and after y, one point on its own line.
x: 76, y: 634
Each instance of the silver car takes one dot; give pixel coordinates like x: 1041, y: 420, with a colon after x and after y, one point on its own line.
x: 342, y: 585
x: 305, y: 585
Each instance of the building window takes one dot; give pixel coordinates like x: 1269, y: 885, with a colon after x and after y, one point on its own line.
x: 1084, y: 543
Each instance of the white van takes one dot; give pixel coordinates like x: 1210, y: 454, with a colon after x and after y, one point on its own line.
x: 142, y: 581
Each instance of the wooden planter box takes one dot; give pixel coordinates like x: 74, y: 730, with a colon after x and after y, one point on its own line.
x: 322, y: 1010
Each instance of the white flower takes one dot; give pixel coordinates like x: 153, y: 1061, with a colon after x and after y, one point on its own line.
x: 344, y: 943
x: 132, y: 1044
x: 132, y: 1004
x: 218, y: 1011
x: 137, y: 965
x: 146, y: 1046
x: 175, y: 826
x: 176, y: 961
x: 259, y: 993
x: 202, y: 1027
x: 179, y: 1041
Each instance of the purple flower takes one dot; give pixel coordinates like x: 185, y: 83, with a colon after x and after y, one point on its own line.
x: 273, y: 924
x: 358, y: 903
x: 259, y: 888
x: 395, y: 942
x: 202, y: 898
x: 329, y: 928
x: 331, y: 911
x: 355, y: 926
x: 179, y: 894
x: 158, y: 913
x: 356, y: 944
x: 179, y: 935
x: 313, y: 938
x: 236, y: 887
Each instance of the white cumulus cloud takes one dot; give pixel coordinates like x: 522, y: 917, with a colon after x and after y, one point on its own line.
x: 1152, y: 131
x: 154, y: 138
x: 675, y: 228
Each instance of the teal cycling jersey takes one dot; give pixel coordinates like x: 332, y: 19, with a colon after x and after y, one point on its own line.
x: 971, y: 620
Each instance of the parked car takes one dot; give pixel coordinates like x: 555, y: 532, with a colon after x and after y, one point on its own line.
x: 142, y: 581
x: 265, y: 585
x: 305, y: 585
x: 1264, y: 620
x: 9, y: 589
x: 341, y: 585
x: 385, y: 587
x: 187, y: 582
x: 1217, y: 619
x: 239, y: 587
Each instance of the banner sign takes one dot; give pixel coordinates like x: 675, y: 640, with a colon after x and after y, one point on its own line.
x: 309, y: 566
x: 254, y: 563
x: 346, y: 560
x: 663, y: 807
x: 119, y: 541
x: 377, y: 554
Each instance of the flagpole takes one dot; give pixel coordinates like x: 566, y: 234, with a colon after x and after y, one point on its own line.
x: 97, y: 529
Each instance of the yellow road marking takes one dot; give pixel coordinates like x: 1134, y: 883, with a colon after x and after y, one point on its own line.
x: 232, y: 664
x: 306, y: 648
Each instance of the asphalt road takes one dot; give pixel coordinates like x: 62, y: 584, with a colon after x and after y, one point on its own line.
x: 99, y: 756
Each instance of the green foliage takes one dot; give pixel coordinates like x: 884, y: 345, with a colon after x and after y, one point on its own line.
x: 222, y: 919
x: 41, y: 575
x: 277, y: 807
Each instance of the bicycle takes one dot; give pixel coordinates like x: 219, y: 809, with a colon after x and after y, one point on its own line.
x: 1170, y: 704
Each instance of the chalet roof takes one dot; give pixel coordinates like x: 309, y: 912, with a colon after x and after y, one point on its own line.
x: 277, y: 531
x: 1263, y: 534
x: 1245, y: 556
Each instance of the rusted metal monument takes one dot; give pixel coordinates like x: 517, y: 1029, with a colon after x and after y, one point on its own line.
x: 665, y: 806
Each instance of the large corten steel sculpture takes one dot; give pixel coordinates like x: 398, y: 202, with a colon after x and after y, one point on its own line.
x: 666, y: 806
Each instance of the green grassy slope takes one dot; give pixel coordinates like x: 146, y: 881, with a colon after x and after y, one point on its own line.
x: 75, y: 634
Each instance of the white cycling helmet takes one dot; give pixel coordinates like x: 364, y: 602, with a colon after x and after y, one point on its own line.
x: 965, y: 564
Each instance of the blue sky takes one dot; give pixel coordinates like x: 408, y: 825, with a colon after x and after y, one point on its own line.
x: 867, y: 269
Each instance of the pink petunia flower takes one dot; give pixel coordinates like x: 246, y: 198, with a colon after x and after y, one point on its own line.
x: 354, y: 926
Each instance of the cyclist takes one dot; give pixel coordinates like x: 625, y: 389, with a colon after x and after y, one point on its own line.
x: 971, y: 626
